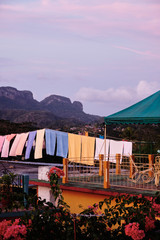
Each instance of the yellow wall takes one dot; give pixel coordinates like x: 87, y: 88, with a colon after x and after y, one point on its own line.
x: 74, y: 199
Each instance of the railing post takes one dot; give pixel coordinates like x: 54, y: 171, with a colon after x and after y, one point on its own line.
x: 106, y: 174
x: 25, y: 181
x: 132, y: 169
x: 151, y: 159
x: 65, y: 170
x: 118, y: 167
x: 101, y: 157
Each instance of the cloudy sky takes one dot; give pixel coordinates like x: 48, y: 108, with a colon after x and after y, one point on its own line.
x: 104, y: 53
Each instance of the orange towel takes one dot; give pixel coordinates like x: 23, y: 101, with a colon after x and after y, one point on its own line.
x: 21, y: 144
x: 14, y: 145
x: 88, y: 148
x: 74, y: 147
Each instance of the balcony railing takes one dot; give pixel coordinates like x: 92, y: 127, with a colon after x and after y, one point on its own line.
x: 138, y: 171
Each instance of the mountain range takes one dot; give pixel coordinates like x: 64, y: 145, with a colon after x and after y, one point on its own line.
x: 53, y: 111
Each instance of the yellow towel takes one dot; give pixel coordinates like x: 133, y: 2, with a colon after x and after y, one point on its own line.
x: 21, y: 143
x: 74, y: 147
x: 39, y: 144
x: 88, y: 147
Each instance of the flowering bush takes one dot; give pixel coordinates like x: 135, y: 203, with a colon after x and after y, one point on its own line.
x: 129, y: 218
x: 15, y: 230
x: 53, y: 175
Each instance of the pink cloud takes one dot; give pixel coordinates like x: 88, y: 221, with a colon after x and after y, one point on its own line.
x: 102, y: 17
x: 145, y: 53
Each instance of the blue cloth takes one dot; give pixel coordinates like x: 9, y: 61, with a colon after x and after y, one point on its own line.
x: 101, y: 136
x: 62, y: 144
x: 30, y: 144
x: 50, y: 136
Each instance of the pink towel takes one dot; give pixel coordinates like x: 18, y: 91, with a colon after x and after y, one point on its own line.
x: 10, y: 136
x: 6, y: 144
x: 2, y: 138
x: 14, y: 145
x: 21, y: 143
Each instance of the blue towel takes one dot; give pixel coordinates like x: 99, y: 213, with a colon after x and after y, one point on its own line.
x: 50, y: 136
x: 62, y: 144
x: 30, y: 144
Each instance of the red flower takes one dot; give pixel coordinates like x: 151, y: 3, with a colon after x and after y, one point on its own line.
x: 55, y: 170
x: 132, y: 230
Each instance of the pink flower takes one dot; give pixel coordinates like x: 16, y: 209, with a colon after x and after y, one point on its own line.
x: 156, y: 208
x: 149, y: 224
x: 12, y: 230
x: 132, y: 230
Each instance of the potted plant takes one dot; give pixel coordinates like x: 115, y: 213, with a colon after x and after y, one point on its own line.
x: 6, y: 184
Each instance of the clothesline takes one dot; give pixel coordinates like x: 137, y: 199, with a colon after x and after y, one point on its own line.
x: 60, y: 144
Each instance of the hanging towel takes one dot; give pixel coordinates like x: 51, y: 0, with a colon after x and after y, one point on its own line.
x: 100, y: 147
x: 115, y: 147
x: 39, y: 144
x: 21, y: 144
x: 2, y: 138
x: 50, y: 136
x: 127, y: 148
x: 6, y: 145
x: 74, y: 147
x: 30, y: 144
x: 88, y: 148
x: 10, y: 137
x: 14, y: 145
x: 62, y: 144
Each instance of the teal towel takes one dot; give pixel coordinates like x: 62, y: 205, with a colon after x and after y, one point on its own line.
x: 62, y: 144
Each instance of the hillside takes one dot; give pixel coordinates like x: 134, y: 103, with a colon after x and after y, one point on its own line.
x: 54, y: 111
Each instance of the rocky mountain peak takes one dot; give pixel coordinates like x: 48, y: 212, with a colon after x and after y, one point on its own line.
x: 53, y: 99
x: 13, y: 93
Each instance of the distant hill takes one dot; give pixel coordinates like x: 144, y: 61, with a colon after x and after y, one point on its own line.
x: 54, y: 111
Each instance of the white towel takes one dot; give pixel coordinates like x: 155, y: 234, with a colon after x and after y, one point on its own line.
x: 127, y: 148
x: 116, y: 147
x: 100, y: 147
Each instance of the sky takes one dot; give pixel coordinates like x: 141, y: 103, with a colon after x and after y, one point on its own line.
x: 103, y: 53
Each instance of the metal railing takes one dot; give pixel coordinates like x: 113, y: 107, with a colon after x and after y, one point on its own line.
x: 138, y: 172
x: 84, y: 173
x: 134, y: 172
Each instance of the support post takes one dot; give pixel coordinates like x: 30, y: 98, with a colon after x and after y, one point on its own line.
x: 25, y: 182
x: 101, y: 157
x: 65, y: 170
x: 132, y: 169
x: 151, y: 159
x: 118, y: 166
x: 106, y: 174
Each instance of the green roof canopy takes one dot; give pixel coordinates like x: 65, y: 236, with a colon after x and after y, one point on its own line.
x: 146, y: 111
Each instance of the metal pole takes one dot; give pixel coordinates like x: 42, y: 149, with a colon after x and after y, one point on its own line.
x: 105, y: 142
x: 25, y: 179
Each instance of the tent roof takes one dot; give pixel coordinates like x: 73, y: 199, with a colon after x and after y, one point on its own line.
x: 146, y: 111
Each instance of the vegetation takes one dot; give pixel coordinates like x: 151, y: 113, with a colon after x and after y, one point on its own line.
x: 131, y: 217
